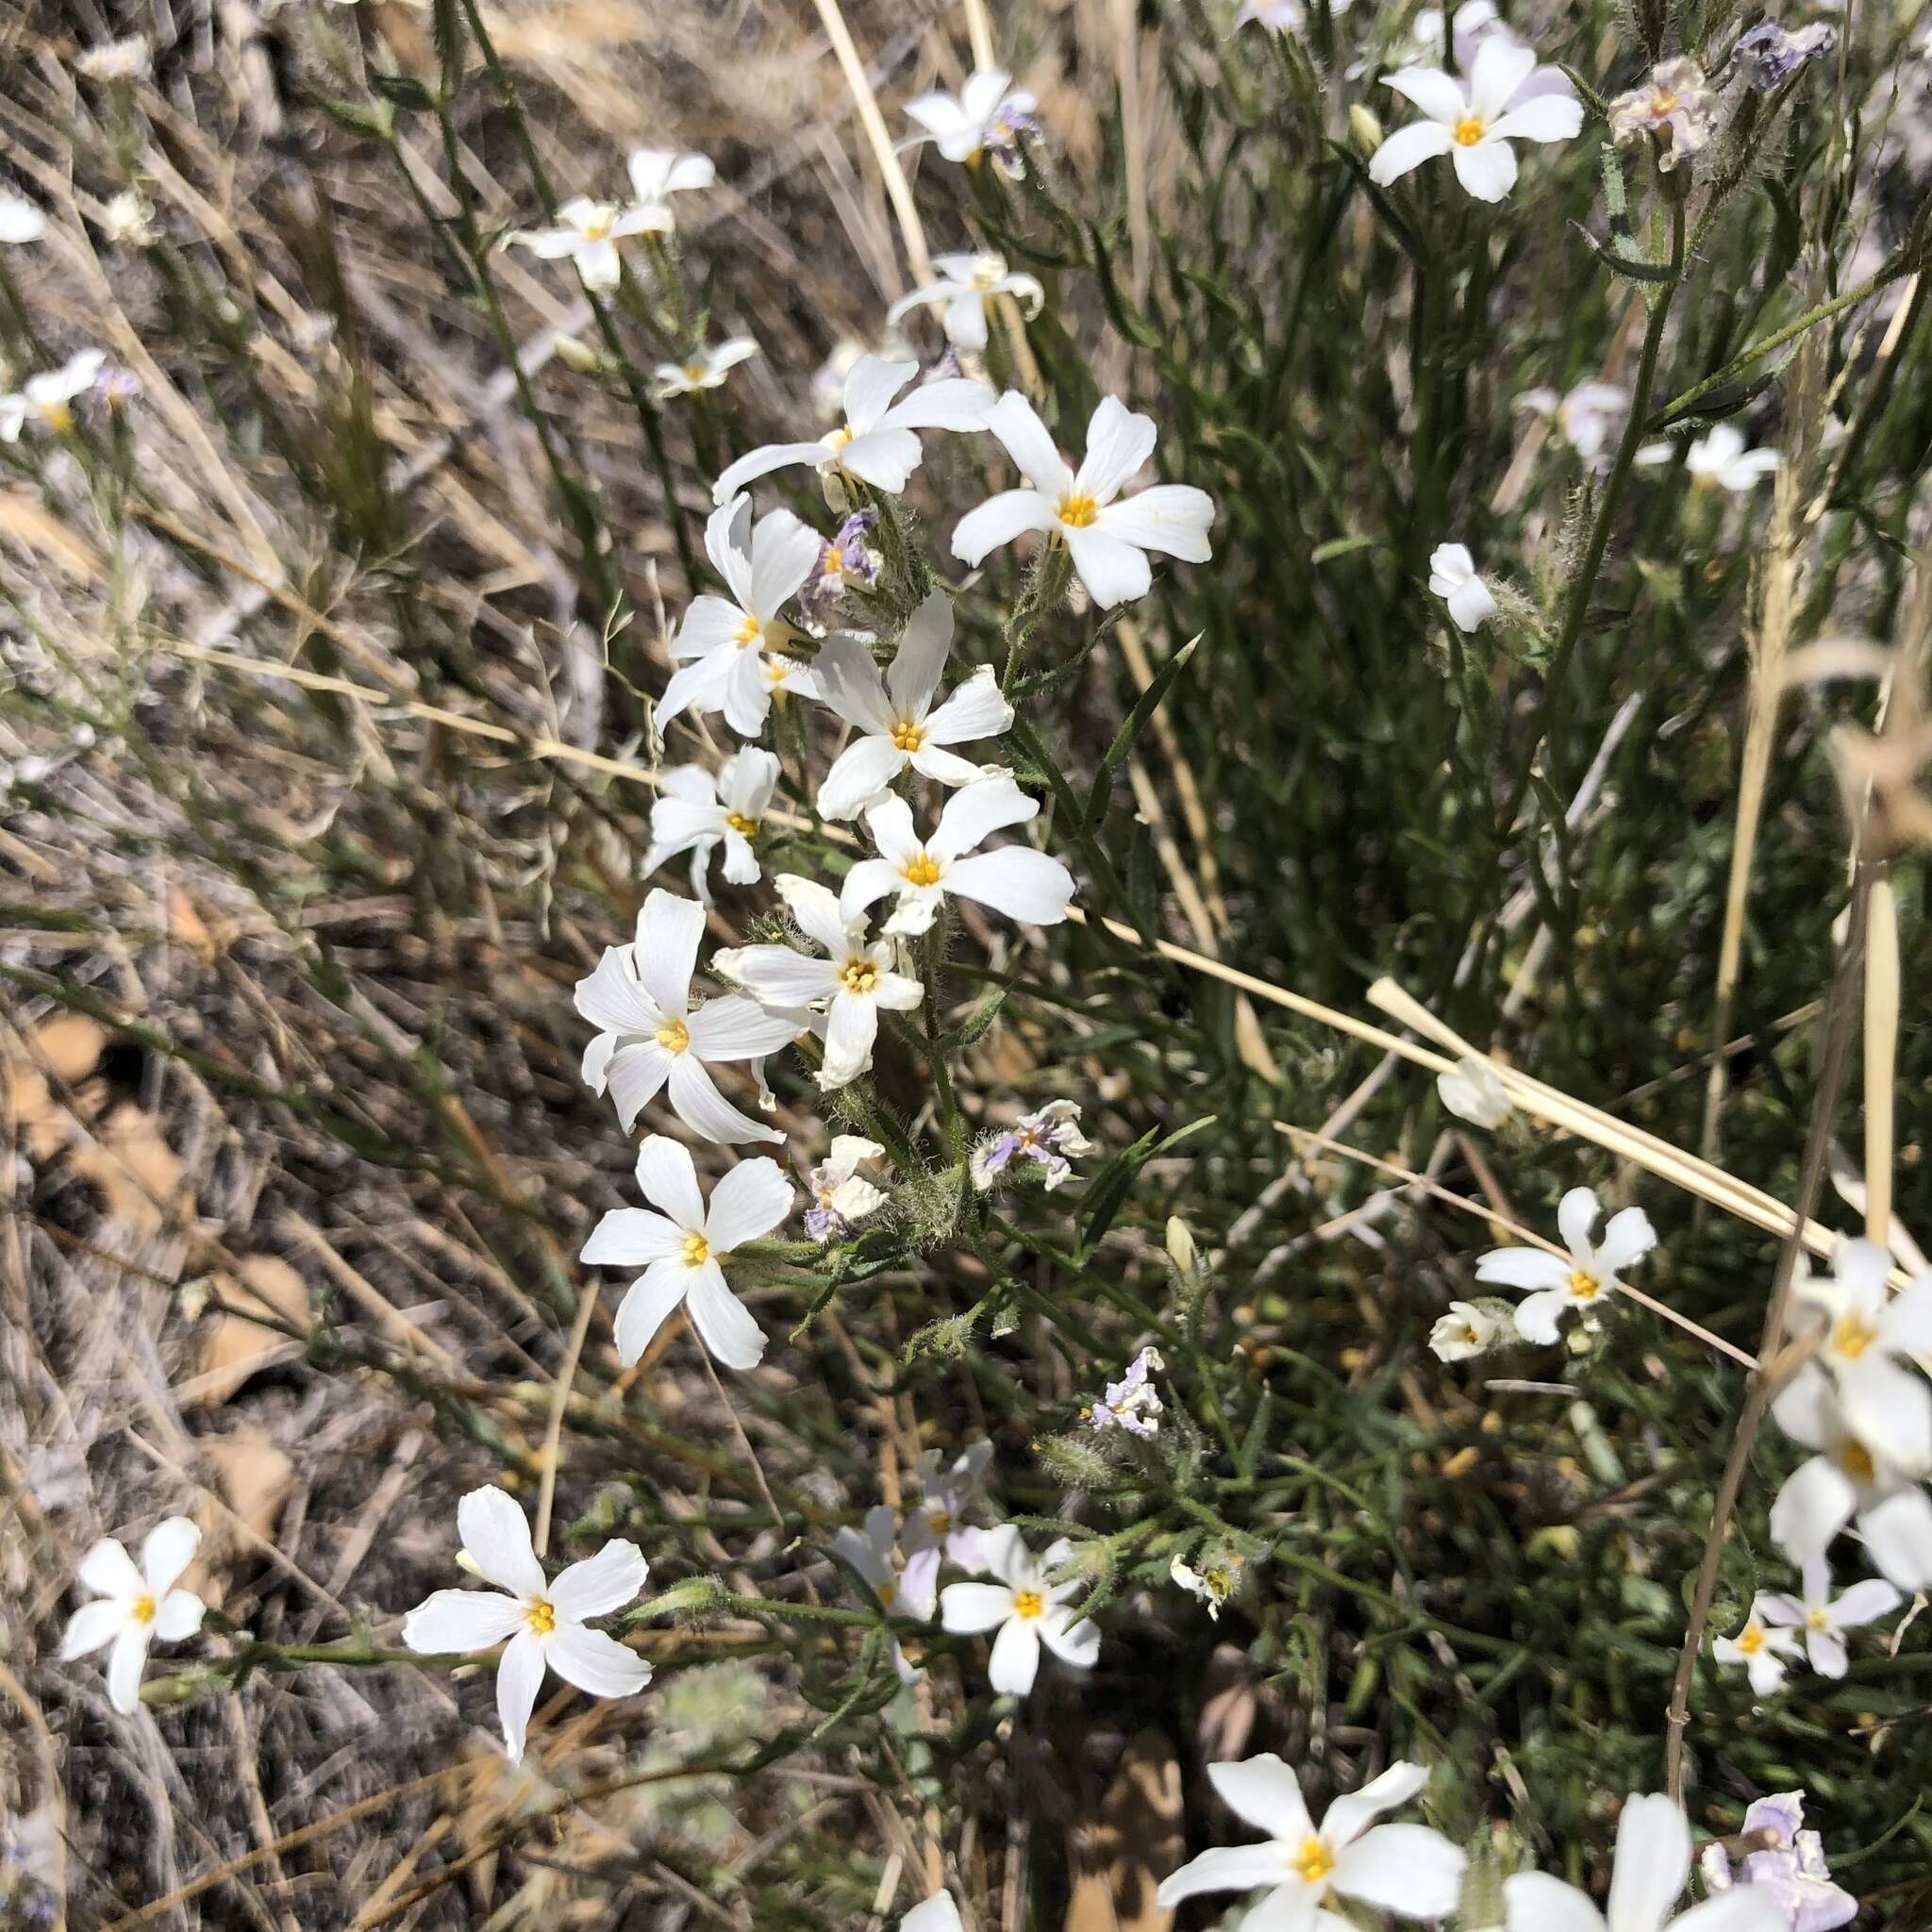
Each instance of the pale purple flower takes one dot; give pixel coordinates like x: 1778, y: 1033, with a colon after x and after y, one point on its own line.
x: 1050, y: 1137
x: 841, y: 1197
x: 1790, y: 1873
x: 1674, y: 105
x: 847, y: 558
x: 1773, y: 54
x: 1133, y: 1403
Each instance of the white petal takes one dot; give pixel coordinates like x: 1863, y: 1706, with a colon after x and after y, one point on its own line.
x: 999, y: 520
x: 1864, y: 1603
x: 1808, y: 1410
x: 1074, y: 1641
x: 860, y: 776
x: 1537, y: 1319
x: 965, y: 321
x: 1015, y: 421
x: 780, y: 977
x: 1114, y: 571
x: 699, y: 686
x: 1015, y: 1659
x: 937, y: 1914
x: 1523, y: 1268
x: 1826, y: 1654
x: 125, y: 1664
x: 737, y: 1028
x: 976, y: 710
x: 783, y: 553
x: 851, y: 683
x: 1488, y: 169
x: 1890, y: 1409
x: 852, y: 1024
x: 695, y: 1100
x: 870, y: 387
x: 1898, y: 1538
x: 1230, y: 1868
x: 20, y: 221
x: 178, y: 1616
x: 1906, y: 1328
x: 953, y: 402
x: 1402, y: 1868
x: 724, y: 1324
x: 1408, y: 148
x: 668, y: 1178
x: 1172, y: 517
x: 92, y: 1625
x: 496, y: 1534
x: 454, y: 1620
x: 1815, y: 1503
x: 666, y: 952
x: 868, y: 882
x: 1500, y: 67
x: 1748, y: 1909
x: 647, y: 1304
x: 1628, y: 1238
x: 974, y: 812
x: 885, y: 458
x: 631, y: 1238
x: 1265, y: 1792
x: 1576, y: 1214
x: 109, y: 1571
x: 1548, y: 117
x: 891, y: 825
x: 966, y: 1608
x: 1470, y: 605
x: 610, y: 998
x: 635, y: 1075
x: 519, y: 1676
x: 1652, y: 1863
x: 921, y: 658
x: 727, y: 543
x: 753, y: 1199
x: 746, y: 694
x: 762, y: 462
x: 599, y: 1584
x: 596, y: 1663
x: 168, y: 1550
x: 1438, y: 95
x: 1535, y: 1902
x: 1032, y: 887
x: 1119, y: 443
x: 1354, y: 1811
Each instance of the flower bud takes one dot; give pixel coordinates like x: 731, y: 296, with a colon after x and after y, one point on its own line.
x: 1180, y: 1244
x: 578, y: 356
x: 1364, y: 130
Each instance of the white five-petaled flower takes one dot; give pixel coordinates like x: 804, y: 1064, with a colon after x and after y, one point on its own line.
x: 1862, y: 1332
x: 871, y: 1553
x: 1584, y: 417
x: 897, y: 725
x: 966, y: 283
x: 849, y: 985
x: 650, y: 1038
x: 1107, y: 540
x: 1399, y: 1868
x: 1762, y: 1646
x: 1576, y: 1281
x: 1822, y: 1617
x: 587, y: 233
x: 48, y: 398
x: 1476, y: 127
x: 1466, y: 1331
x: 841, y: 1197
x: 683, y: 1249
x: 1453, y: 578
x: 937, y: 1529
x: 697, y: 813
x: 1025, y: 1608
x: 544, y: 1620
x: 877, y: 441
x: 937, y: 1914
x: 1653, y: 1866
x: 1029, y: 885
x: 1281, y: 16
x: 734, y: 647
x: 1721, y: 457
x: 134, y: 1605
x: 20, y: 221
x: 985, y: 117
x: 1849, y: 1478
x: 707, y: 369
x: 658, y: 172
x: 1474, y: 1091
x: 1214, y: 1582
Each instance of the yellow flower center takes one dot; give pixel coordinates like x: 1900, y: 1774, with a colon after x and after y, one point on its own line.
x: 675, y: 1036
x: 1751, y: 1640
x: 840, y: 436
x: 58, y: 417
x: 1313, y: 1862
x: 987, y: 269
x: 1853, y: 1336
x: 1584, y: 1286
x: 697, y: 1251
x: 1469, y: 130
x: 1663, y: 103
x: 1857, y: 1460
x: 834, y: 565
x: 693, y: 371
x: 1027, y: 1605
x: 1470, y: 1335
x: 747, y: 631
x: 939, y: 1522
x: 907, y: 736
x: 1077, y: 512
x: 739, y: 823
x: 886, y: 1591
x: 922, y: 871
x: 1818, y: 1619
x: 776, y: 671
x: 858, y: 975
x: 541, y: 1617
x: 597, y: 225
x: 142, y: 1608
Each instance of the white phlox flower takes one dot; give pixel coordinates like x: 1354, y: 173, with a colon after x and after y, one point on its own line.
x: 966, y: 284
x: 1763, y: 1647
x: 1653, y: 1867
x: 48, y: 398
x: 1024, y: 1608
x: 707, y: 369
x: 732, y: 650
x: 937, y: 1914
x: 877, y: 441
x: 545, y: 1621
x: 587, y: 234
x: 938, y: 1530
x: 1214, y: 1582
x: 841, y: 1197
x: 1474, y: 127
x: 20, y: 221
x: 1133, y: 1403
x: 1399, y: 1868
x: 651, y: 1039
x: 854, y: 979
x: 898, y: 727
x: 873, y: 1552
x: 1584, y: 418
x: 1864, y: 1336
x: 1850, y: 1481
x: 1282, y: 16
x: 1722, y: 458
x: 1048, y: 1139
x: 1453, y: 578
x: 683, y: 1250
x: 1472, y: 1091
x: 135, y: 1605
x: 1107, y: 540
x: 985, y: 117
x: 697, y: 813
x: 1029, y: 885
x: 658, y: 172
x: 1578, y: 1281
x: 1822, y: 1619
x: 1466, y: 1331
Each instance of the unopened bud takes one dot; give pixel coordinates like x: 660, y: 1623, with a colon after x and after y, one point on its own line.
x: 1364, y: 130
x: 1180, y: 1244
x: 578, y: 356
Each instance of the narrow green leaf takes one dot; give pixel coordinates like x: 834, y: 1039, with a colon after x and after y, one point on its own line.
x: 1130, y: 731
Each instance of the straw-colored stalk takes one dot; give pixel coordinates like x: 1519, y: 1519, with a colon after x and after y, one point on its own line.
x: 898, y: 190
x: 1881, y: 1050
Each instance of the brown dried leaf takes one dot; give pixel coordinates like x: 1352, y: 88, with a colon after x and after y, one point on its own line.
x: 234, y: 1348
x: 254, y: 1476
x: 1120, y: 1857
